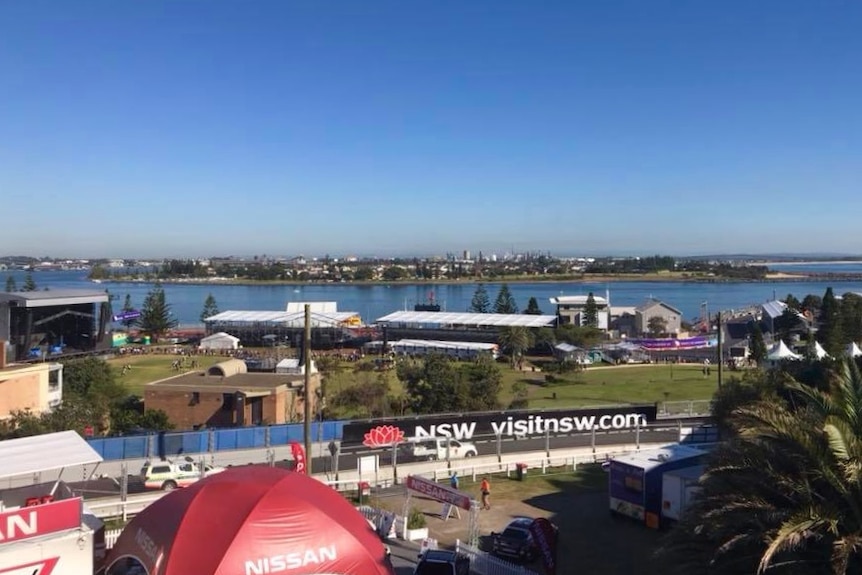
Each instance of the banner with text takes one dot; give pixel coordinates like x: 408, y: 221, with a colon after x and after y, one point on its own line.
x: 531, y: 423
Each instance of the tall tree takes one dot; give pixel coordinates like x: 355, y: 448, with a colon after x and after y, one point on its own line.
x: 505, y: 303
x: 515, y: 340
x: 851, y: 317
x: 210, y: 308
x: 11, y: 284
x: 758, y: 349
x: 657, y: 326
x: 29, y: 282
x: 792, y: 302
x: 783, y: 495
x: 533, y: 307
x: 480, y: 302
x: 127, y: 307
x: 591, y: 312
x: 481, y: 383
x: 156, y: 317
x: 431, y: 385
x: 829, y: 331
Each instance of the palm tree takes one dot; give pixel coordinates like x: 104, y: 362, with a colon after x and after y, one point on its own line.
x: 785, y: 495
x: 515, y: 340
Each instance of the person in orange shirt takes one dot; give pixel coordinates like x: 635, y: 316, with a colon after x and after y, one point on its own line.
x: 485, y: 488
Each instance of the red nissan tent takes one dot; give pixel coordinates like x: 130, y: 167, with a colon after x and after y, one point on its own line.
x: 252, y: 520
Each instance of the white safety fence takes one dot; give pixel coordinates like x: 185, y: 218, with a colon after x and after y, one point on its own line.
x: 111, y: 536
x: 483, y: 563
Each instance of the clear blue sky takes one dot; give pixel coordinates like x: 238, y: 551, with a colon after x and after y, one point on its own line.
x: 194, y: 128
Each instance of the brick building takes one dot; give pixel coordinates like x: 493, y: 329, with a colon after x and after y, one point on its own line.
x: 34, y: 387
x: 226, y: 395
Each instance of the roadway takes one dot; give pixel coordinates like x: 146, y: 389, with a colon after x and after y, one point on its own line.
x: 107, y: 483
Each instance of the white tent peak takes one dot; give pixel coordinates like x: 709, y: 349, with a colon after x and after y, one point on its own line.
x: 780, y: 351
x: 853, y: 350
x: 819, y: 351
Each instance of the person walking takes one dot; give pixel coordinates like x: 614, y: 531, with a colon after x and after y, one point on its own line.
x: 453, y: 483
x: 485, y: 488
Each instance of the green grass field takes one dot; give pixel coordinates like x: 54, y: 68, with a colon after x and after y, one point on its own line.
x: 149, y: 368
x: 627, y: 384
x: 616, y: 385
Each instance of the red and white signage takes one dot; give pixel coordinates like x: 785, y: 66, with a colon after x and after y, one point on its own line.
x: 439, y: 492
x: 43, y: 567
x: 39, y: 520
x: 298, y: 452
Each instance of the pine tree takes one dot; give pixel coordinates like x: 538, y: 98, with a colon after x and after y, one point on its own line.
x: 156, y: 318
x: 505, y: 303
x: 480, y: 303
x: 829, y: 333
x: 533, y: 307
x: 29, y: 282
x: 758, y: 346
x: 591, y: 312
x: 210, y: 308
x: 11, y: 284
x: 127, y: 307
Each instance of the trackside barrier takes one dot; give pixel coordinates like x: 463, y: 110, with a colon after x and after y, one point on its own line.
x: 171, y: 444
x: 482, y: 563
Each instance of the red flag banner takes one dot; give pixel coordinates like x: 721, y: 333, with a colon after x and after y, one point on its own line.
x: 298, y: 452
x: 545, y: 535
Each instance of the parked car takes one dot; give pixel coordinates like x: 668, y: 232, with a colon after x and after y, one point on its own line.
x: 167, y: 475
x: 431, y: 449
x: 516, y: 541
x: 442, y: 562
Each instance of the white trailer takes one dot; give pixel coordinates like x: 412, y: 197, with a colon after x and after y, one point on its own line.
x: 68, y: 553
x: 678, y: 487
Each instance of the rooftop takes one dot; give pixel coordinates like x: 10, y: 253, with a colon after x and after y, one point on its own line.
x: 469, y: 319
x: 28, y: 455
x: 200, y: 381
x: 46, y: 298
x: 653, y: 458
x: 284, y: 318
x: 577, y: 300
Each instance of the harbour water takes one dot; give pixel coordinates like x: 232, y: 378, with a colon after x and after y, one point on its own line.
x: 375, y: 301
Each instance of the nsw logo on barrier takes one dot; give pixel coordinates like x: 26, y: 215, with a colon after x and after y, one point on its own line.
x: 383, y: 436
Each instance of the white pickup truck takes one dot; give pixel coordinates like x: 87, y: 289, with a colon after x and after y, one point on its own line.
x: 429, y: 449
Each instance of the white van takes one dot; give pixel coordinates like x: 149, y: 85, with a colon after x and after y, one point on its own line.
x: 431, y: 448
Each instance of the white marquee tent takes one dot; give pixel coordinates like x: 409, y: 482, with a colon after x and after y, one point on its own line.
x: 780, y: 352
x: 220, y: 340
x: 853, y: 350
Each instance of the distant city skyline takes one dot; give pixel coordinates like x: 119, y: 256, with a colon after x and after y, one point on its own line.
x: 149, y: 128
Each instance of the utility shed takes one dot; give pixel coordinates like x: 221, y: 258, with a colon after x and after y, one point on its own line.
x: 635, y: 480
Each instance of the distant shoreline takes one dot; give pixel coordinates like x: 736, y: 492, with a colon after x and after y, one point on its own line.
x: 776, y: 277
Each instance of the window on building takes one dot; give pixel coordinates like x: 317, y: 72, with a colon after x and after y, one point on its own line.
x: 54, y: 379
x: 228, y: 402
x: 196, y: 398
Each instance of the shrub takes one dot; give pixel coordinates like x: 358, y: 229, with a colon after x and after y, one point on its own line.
x: 416, y: 519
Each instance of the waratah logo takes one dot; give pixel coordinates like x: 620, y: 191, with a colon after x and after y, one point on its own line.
x: 383, y: 436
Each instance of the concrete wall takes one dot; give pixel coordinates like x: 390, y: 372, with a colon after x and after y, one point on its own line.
x: 24, y: 387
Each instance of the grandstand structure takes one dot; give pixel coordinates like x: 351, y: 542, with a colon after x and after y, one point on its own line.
x: 461, y: 327
x: 330, y: 328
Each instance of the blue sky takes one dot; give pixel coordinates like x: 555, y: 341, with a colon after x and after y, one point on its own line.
x: 144, y: 128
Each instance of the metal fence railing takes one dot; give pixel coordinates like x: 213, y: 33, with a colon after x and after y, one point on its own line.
x: 483, y: 563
